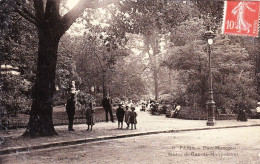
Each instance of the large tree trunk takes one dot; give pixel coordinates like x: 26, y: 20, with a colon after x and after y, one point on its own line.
x: 40, y: 123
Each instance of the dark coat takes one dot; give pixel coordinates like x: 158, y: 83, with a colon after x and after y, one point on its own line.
x: 89, y: 116
x: 242, y: 115
x: 133, y: 116
x: 106, y: 103
x: 70, y: 106
x: 120, y: 113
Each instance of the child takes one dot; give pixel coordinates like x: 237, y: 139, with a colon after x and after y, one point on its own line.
x: 90, y: 116
x: 120, y: 115
x: 133, y: 116
x: 127, y: 115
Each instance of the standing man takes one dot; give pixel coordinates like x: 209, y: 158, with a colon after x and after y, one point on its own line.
x: 106, y: 102
x: 70, y: 109
x: 71, y: 105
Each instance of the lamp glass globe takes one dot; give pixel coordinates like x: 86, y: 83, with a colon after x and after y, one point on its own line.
x: 210, y: 41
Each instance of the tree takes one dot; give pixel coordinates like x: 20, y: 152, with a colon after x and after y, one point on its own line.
x: 101, y: 48
x: 127, y: 79
x: 45, y: 15
x: 153, y: 20
x: 253, y: 47
x: 213, y: 8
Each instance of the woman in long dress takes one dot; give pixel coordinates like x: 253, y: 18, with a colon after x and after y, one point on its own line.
x: 240, y: 10
x: 127, y: 116
x: 90, y: 116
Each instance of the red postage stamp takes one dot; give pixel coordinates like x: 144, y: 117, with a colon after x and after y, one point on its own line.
x: 241, y: 18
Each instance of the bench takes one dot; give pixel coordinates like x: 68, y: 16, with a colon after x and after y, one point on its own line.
x: 230, y: 114
x: 253, y: 113
x: 220, y: 115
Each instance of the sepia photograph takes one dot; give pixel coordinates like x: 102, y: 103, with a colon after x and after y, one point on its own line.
x: 129, y: 81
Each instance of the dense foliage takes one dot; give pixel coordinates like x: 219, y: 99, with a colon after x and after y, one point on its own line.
x: 18, y: 47
x: 233, y: 71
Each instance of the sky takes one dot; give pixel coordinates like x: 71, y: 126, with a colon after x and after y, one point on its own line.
x: 78, y: 28
x: 71, y: 3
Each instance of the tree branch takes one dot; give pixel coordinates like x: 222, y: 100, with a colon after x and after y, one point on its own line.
x: 39, y: 10
x: 118, y: 21
x: 52, y: 8
x: 100, y: 63
x: 30, y: 14
x: 22, y: 10
x: 28, y: 18
x: 69, y: 18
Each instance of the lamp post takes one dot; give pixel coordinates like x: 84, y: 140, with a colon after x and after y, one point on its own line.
x: 209, y: 35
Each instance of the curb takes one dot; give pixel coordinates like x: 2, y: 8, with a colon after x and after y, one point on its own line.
x: 104, y: 138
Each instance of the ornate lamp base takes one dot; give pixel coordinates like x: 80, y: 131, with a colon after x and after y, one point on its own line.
x: 211, y: 121
x: 211, y: 110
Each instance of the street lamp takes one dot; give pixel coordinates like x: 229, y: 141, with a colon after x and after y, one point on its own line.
x: 209, y: 35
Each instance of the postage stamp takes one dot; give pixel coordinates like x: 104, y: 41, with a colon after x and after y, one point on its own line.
x: 241, y: 18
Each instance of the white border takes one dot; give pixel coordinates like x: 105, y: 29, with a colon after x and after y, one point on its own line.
x: 224, y: 16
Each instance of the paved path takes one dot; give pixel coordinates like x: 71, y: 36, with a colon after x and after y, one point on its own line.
x: 220, y: 146
x: 147, y: 124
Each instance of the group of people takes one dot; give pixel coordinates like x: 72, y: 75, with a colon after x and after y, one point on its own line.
x: 128, y: 116
x: 122, y: 114
x: 70, y: 109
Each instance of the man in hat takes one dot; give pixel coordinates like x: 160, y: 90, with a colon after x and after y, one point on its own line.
x: 106, y: 102
x: 70, y: 109
x: 120, y: 113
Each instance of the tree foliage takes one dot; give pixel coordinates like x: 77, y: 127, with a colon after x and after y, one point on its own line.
x: 231, y: 67
x: 153, y: 20
x: 18, y: 47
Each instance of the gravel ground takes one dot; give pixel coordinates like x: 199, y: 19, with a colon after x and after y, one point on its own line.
x: 235, y: 145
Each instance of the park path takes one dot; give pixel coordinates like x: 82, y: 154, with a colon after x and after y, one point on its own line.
x: 207, y: 146
x: 11, y: 139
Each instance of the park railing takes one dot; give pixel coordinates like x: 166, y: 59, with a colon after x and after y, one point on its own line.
x: 200, y: 114
x: 59, y: 117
